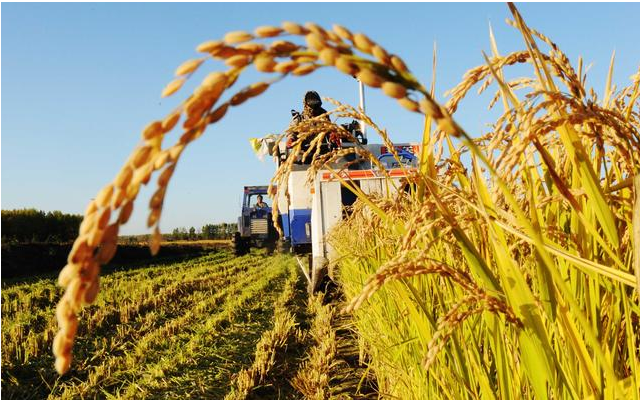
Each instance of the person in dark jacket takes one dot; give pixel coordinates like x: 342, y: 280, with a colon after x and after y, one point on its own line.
x: 312, y: 107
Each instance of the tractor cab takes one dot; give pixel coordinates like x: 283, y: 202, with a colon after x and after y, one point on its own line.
x: 255, y: 226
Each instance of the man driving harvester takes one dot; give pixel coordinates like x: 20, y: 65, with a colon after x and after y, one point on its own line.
x: 312, y: 107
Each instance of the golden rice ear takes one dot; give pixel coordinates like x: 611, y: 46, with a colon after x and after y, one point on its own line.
x: 398, y: 64
x: 63, y: 363
x: 106, y: 252
x: 224, y: 52
x: 283, y: 47
x: 154, y: 241
x: 264, y: 63
x: 369, y: 78
x: 328, y: 55
x: 344, y: 65
x: 315, y: 42
x: 91, y: 294
x: 343, y: 32
x: 268, y: 31
x: 284, y: 67
x: 173, y: 87
x: 429, y: 107
x: 317, y: 29
x: 170, y: 122
x: 381, y: 54
x: 304, y: 69
x: 238, y: 98
x: 103, y: 218
x: 363, y: 43
x: 152, y: 130
x: 294, y: 29
x: 208, y: 47
x: 251, y: 48
x: 67, y: 274
x: 257, y: 89
x: 395, y: 90
x: 188, y: 66
x: 161, y: 160
x: 215, y: 82
x: 237, y: 61
x: 409, y: 104
x: 237, y: 37
x: 124, y: 177
x: 103, y: 198
x: 125, y: 212
x: 218, y: 113
x: 141, y: 156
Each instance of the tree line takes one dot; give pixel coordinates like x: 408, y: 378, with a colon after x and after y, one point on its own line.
x: 223, y: 231
x: 35, y: 226
x: 207, y: 232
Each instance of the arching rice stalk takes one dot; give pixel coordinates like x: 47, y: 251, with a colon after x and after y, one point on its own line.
x: 97, y: 240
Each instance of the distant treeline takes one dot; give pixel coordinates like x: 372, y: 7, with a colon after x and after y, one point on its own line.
x: 223, y: 231
x: 207, y: 232
x: 35, y: 226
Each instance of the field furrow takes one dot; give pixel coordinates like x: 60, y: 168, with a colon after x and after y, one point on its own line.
x: 167, y: 330
x: 224, y: 342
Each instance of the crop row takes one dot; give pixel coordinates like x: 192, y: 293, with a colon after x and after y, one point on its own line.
x: 146, y: 356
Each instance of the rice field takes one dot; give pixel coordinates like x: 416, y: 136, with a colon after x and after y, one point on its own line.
x: 214, y: 326
x: 176, y: 329
x: 508, y: 267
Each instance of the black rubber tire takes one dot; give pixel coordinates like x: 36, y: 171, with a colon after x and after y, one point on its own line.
x: 283, y: 246
x: 240, y: 247
x: 270, y: 246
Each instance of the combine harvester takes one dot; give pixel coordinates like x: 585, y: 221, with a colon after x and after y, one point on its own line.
x: 311, y: 210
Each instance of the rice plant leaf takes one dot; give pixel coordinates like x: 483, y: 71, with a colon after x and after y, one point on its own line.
x: 508, y: 223
x: 477, y: 264
x: 608, y: 92
x: 426, y: 160
x: 636, y: 232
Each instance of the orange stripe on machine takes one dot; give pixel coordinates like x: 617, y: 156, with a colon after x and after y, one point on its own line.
x: 364, y: 174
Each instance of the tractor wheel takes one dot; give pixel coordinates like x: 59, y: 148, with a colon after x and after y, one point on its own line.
x: 270, y: 246
x: 239, y: 245
x: 283, y: 246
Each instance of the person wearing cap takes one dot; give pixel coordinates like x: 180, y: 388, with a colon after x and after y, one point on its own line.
x: 260, y: 203
x: 312, y: 107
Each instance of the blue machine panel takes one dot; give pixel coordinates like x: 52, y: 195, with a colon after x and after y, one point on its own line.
x: 285, y: 225
x: 300, y: 225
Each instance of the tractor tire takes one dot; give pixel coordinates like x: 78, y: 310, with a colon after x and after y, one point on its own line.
x: 283, y: 246
x: 240, y: 247
x: 270, y: 247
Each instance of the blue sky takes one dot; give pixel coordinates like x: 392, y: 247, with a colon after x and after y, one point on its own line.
x: 80, y: 80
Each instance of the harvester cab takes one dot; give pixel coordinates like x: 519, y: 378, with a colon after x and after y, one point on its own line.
x: 255, y: 226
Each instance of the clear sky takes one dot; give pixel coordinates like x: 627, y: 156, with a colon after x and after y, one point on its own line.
x: 79, y: 82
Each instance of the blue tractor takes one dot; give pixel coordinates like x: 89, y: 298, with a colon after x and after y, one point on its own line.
x: 255, y: 225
